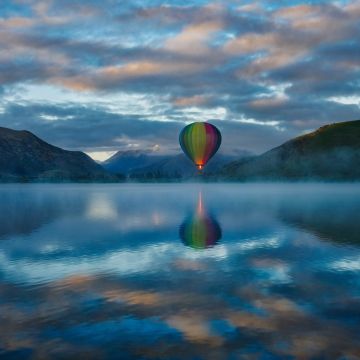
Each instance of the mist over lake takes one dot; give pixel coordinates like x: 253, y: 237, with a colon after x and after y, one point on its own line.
x: 180, y: 271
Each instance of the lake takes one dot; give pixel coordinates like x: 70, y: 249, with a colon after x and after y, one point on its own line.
x: 180, y: 271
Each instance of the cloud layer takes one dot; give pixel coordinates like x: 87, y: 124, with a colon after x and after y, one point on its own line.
x: 101, y: 77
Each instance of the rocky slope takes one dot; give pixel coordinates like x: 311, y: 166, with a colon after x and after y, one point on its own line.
x: 25, y: 157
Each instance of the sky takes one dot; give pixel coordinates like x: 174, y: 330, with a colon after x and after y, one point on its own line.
x: 103, y: 76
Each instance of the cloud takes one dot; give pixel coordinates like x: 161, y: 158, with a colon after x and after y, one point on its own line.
x: 193, y: 40
x: 97, y: 129
x: 194, y: 100
x: 202, y: 60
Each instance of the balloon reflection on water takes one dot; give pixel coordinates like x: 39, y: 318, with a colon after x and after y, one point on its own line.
x: 200, y: 230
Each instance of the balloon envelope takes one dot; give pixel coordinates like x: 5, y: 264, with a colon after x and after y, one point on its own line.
x: 200, y: 141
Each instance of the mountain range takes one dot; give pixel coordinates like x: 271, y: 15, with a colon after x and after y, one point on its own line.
x: 141, y: 165
x: 331, y: 153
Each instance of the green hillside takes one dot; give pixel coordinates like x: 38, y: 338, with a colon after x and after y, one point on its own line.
x: 330, y: 153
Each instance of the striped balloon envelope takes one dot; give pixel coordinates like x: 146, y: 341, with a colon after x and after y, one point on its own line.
x: 200, y: 231
x: 200, y: 141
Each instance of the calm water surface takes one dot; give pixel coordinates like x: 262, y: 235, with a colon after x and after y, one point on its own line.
x: 180, y: 271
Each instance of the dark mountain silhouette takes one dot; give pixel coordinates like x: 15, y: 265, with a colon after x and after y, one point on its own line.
x: 25, y: 157
x: 330, y: 153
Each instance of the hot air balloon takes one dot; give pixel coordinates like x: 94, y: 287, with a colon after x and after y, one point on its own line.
x: 200, y: 141
x: 200, y: 231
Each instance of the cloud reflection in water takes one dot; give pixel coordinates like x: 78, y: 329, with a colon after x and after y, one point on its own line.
x: 100, y: 270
